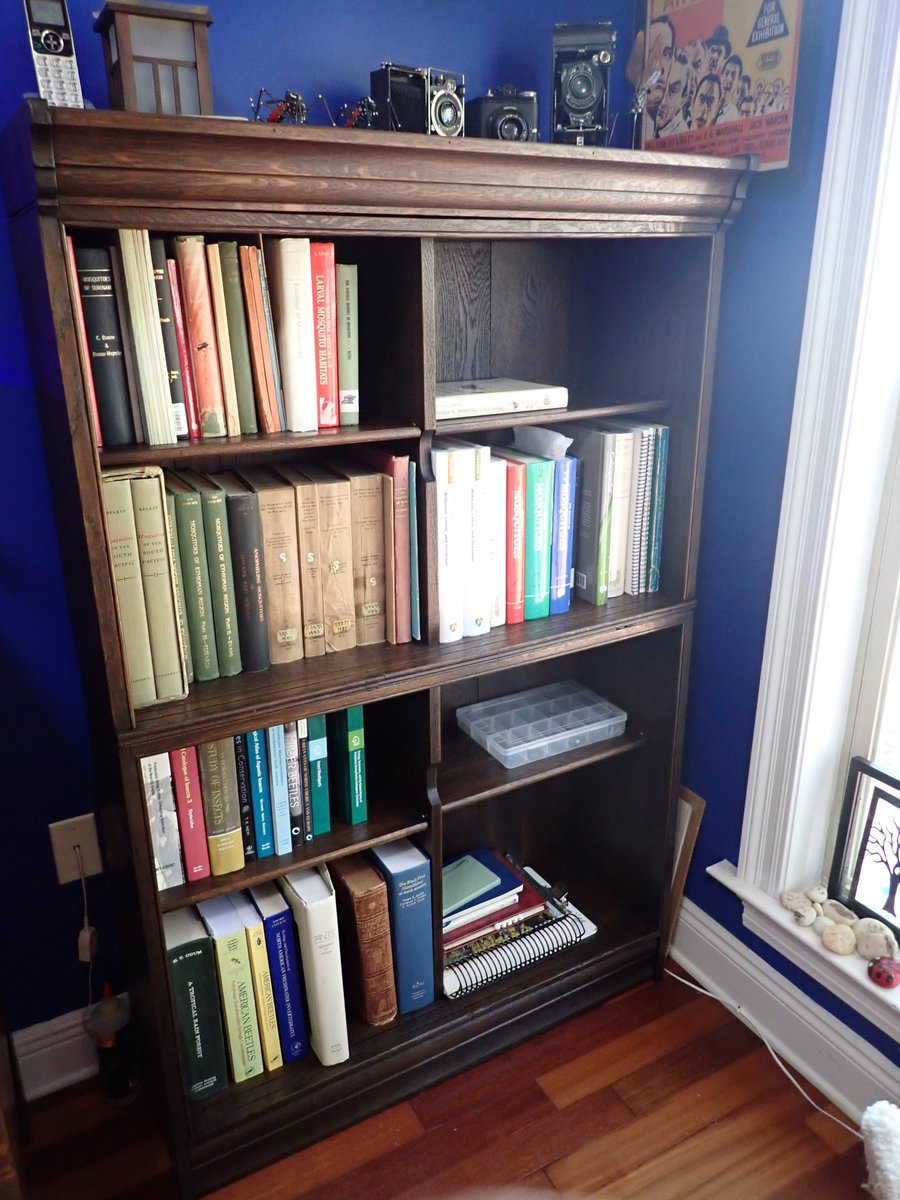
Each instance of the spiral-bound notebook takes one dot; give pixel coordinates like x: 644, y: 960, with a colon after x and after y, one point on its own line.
x: 468, y: 974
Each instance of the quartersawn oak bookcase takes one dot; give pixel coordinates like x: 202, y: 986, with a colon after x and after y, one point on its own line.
x: 595, y: 268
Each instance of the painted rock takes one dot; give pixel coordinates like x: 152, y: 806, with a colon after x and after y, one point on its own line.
x: 839, y: 939
x: 885, y: 972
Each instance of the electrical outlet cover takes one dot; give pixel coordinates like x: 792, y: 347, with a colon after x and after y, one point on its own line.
x: 64, y: 837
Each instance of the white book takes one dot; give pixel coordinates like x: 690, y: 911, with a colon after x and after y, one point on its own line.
x: 481, y: 397
x: 310, y: 893
x: 290, y: 290
x: 146, y: 337
x: 159, y: 795
x: 278, y: 789
x: 497, y: 540
x: 445, y: 465
x: 220, y: 316
x: 638, y: 512
x: 473, y: 481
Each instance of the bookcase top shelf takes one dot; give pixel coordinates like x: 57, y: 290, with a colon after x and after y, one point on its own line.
x: 112, y: 168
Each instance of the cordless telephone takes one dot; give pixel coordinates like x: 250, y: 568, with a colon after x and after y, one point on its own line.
x: 53, y: 52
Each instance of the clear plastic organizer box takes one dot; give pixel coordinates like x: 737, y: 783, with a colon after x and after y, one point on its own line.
x: 526, y: 726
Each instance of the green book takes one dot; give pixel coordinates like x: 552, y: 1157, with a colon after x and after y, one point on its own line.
x: 346, y: 290
x: 221, y: 571
x: 317, y: 750
x: 195, y: 573
x: 538, y: 529
x: 237, y: 335
x: 347, y: 763
x: 194, y: 985
x: 239, y: 1014
x: 179, y: 586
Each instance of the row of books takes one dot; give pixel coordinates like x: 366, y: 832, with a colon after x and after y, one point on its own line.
x: 259, y: 977
x: 187, y: 337
x: 226, y: 572
x: 214, y: 807
x: 519, y: 528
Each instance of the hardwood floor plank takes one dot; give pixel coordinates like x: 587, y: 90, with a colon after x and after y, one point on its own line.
x: 835, y: 1136
x: 648, y: 1087
x: 613, y: 1060
x: 602, y: 1159
x: 328, y: 1161
x: 839, y: 1178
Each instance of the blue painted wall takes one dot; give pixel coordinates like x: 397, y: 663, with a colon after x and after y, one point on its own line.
x: 279, y: 46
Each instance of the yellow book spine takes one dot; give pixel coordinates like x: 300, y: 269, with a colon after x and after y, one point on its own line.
x: 265, y: 997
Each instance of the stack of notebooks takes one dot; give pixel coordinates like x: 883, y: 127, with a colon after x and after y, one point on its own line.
x: 498, y: 917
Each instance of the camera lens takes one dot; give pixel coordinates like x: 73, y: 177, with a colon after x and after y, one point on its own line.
x: 580, y: 88
x: 510, y: 126
x: 446, y: 113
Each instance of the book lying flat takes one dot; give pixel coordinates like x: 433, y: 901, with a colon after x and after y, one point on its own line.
x: 502, y: 893
x: 470, y: 973
x: 528, y: 903
x: 480, y: 397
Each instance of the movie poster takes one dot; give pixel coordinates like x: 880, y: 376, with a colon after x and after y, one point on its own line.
x: 719, y: 77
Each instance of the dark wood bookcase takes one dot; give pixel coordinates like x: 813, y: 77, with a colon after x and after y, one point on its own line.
x: 596, y: 268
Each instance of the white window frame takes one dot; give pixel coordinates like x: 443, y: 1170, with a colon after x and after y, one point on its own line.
x: 839, y: 462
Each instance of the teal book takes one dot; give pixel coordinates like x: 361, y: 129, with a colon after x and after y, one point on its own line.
x: 261, y: 803
x: 414, y: 605
x: 347, y: 762
x: 278, y: 789
x: 317, y: 754
x: 538, y: 529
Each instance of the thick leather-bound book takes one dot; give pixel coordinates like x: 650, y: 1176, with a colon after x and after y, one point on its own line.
x: 278, y: 521
x: 242, y: 1039
x: 248, y: 568
x: 284, y: 962
x: 104, y: 339
x: 166, y: 308
x: 365, y: 925
x: 158, y: 578
x: 221, y: 805
x: 310, y: 894
x: 237, y: 335
x: 195, y: 995
x: 198, y: 315
x: 407, y: 872
x: 221, y: 573
x: 122, y: 542
x: 189, y: 804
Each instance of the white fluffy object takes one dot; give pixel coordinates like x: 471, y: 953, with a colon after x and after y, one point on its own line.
x: 880, y: 1126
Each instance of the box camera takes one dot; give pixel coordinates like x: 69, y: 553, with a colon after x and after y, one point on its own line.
x: 419, y: 100
x: 582, y: 58
x: 506, y: 114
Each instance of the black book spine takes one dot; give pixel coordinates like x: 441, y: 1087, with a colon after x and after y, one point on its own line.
x: 195, y: 992
x: 245, y: 795
x: 104, y: 338
x: 170, y: 342
x: 245, y: 532
x: 305, y: 787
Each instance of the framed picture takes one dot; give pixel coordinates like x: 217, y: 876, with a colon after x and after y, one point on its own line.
x: 689, y: 816
x: 719, y: 76
x: 865, y: 869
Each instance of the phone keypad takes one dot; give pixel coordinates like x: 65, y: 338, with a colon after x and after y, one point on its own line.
x: 58, y: 81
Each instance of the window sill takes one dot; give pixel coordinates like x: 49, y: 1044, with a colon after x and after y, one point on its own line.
x: 843, y: 974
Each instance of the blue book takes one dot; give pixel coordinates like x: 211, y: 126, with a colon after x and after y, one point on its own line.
x: 245, y: 793
x: 258, y: 761
x: 278, y: 789
x: 407, y: 872
x: 657, y: 505
x: 414, y: 607
x: 284, y: 964
x: 562, y: 539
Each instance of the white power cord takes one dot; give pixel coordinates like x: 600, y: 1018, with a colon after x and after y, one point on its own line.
x: 87, y: 935
x: 742, y: 1016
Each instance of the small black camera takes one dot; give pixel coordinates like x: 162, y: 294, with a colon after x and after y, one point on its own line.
x: 506, y: 114
x: 582, y: 58
x: 419, y: 100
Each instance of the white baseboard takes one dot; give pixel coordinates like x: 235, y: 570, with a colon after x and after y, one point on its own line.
x: 845, y: 1067
x: 54, y: 1055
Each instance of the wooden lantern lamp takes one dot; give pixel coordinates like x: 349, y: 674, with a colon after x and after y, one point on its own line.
x: 157, y: 57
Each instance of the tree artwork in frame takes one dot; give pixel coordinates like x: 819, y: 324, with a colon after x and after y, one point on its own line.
x: 865, y: 870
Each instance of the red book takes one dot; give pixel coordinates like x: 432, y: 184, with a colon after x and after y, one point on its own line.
x: 190, y: 251
x: 184, y: 352
x: 84, y: 352
x: 260, y: 357
x: 528, y: 903
x: 189, y: 805
x: 397, y: 467
x: 515, y: 542
x: 324, y: 294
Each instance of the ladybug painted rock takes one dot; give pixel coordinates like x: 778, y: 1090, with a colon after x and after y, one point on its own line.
x: 885, y: 972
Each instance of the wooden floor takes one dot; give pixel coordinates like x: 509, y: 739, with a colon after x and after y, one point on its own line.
x: 659, y: 1094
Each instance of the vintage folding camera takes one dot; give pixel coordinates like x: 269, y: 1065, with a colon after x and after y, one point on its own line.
x: 419, y: 100
x: 505, y: 113
x: 582, y: 58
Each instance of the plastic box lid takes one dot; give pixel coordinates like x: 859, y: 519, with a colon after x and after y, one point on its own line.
x: 526, y: 726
